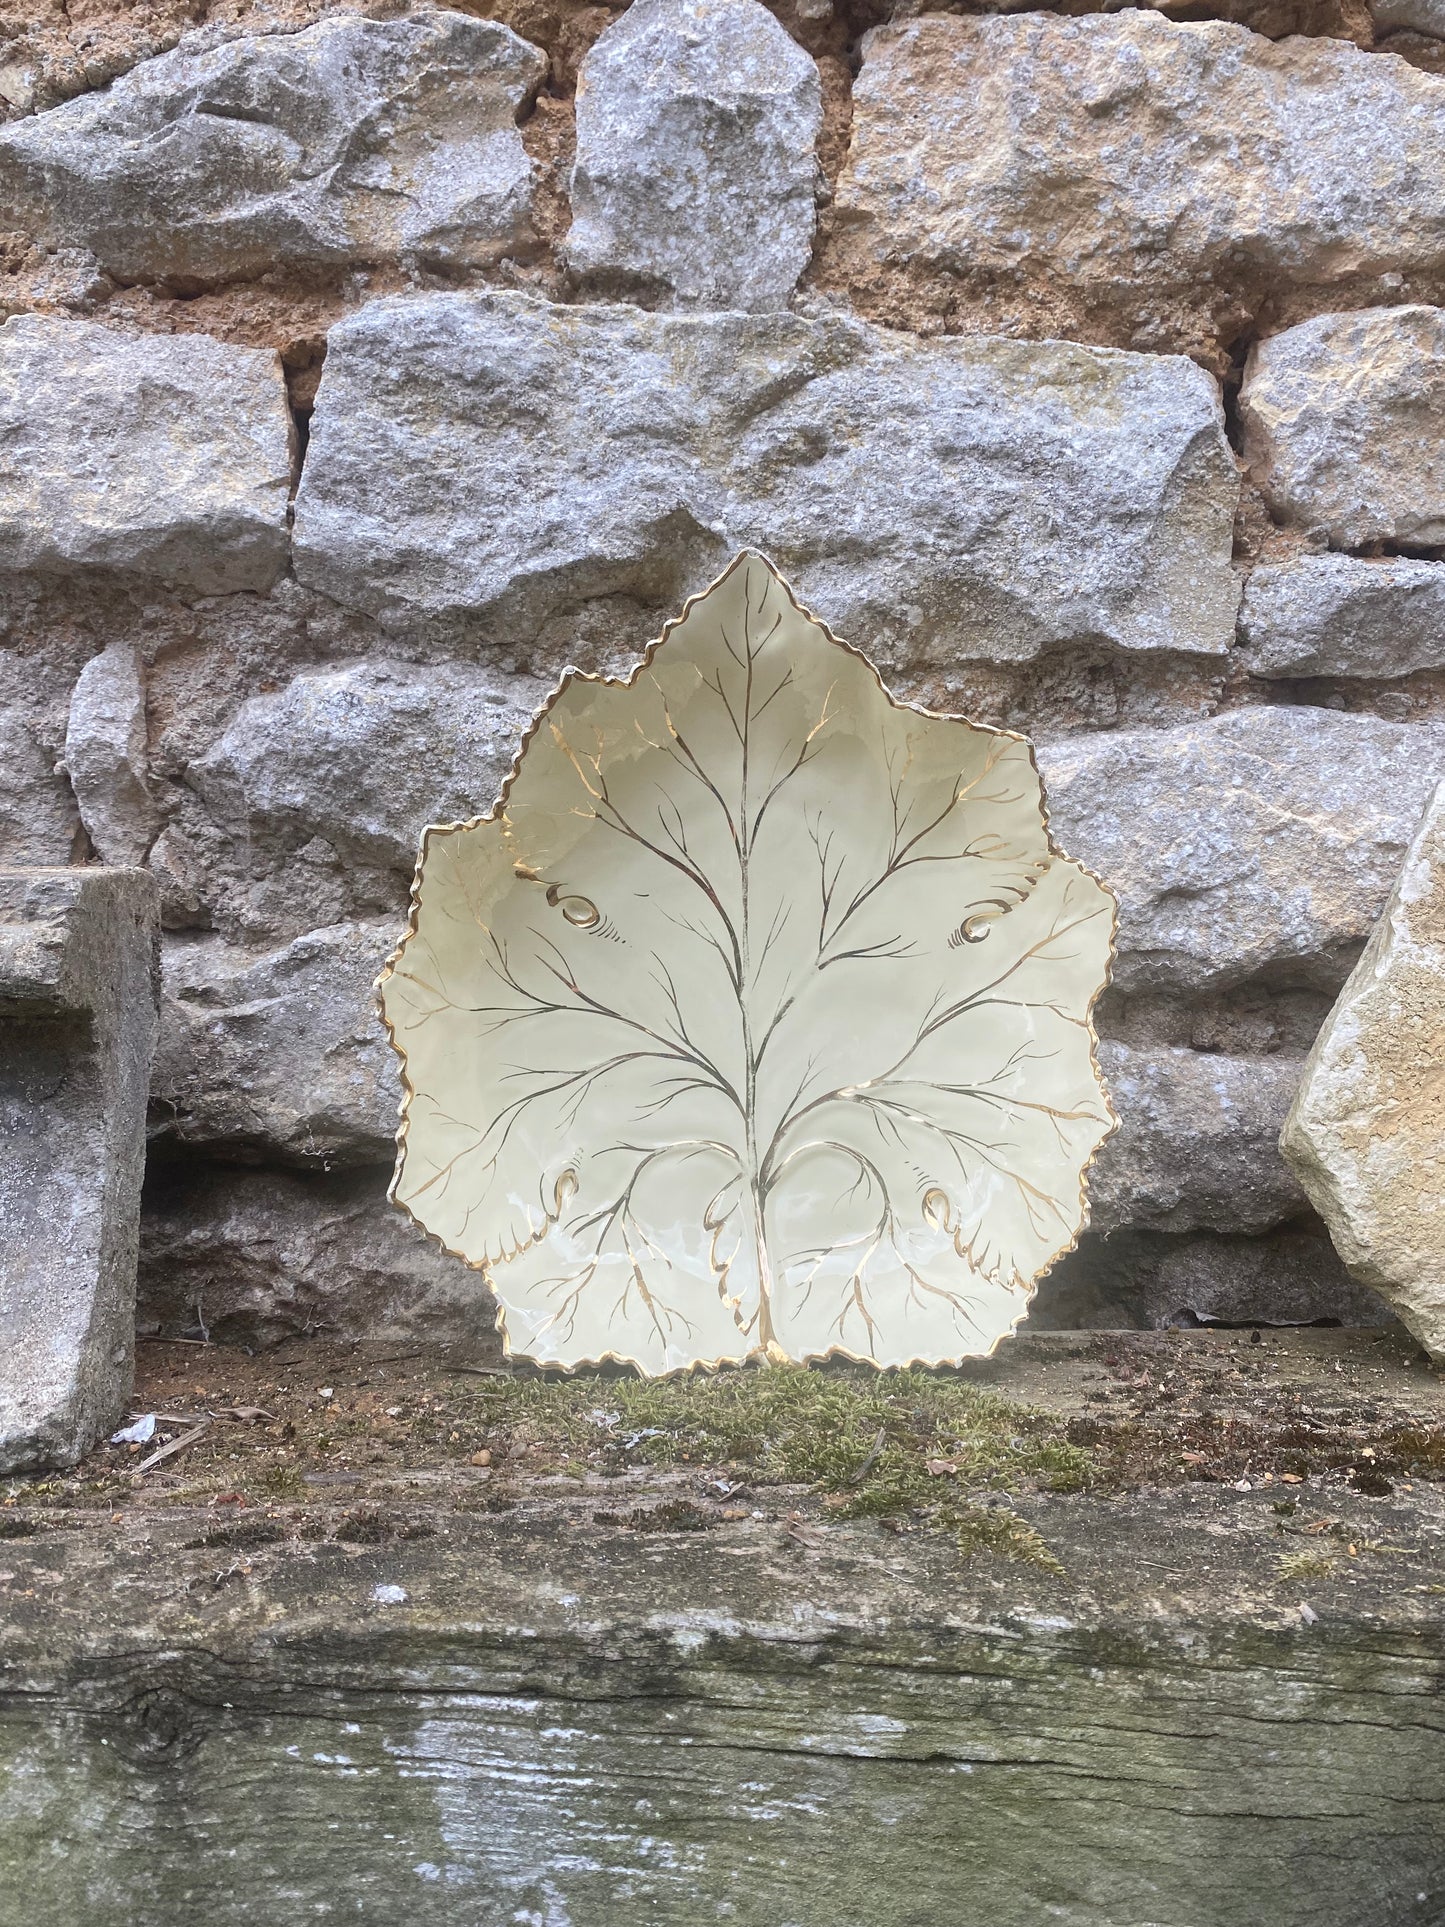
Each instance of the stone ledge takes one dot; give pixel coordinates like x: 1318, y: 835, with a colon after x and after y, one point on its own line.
x: 543, y: 1715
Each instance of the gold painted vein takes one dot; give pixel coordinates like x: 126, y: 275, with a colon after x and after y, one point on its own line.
x: 756, y: 1015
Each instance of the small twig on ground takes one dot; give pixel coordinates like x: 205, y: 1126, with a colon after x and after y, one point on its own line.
x: 874, y: 1454
x: 176, y: 1445
x: 802, y: 1533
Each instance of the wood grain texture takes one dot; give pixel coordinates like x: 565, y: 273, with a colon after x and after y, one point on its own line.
x: 567, y: 1725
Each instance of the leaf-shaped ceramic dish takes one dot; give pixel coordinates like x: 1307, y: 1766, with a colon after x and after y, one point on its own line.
x: 755, y: 1016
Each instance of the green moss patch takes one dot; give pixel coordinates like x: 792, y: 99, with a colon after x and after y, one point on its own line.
x: 871, y: 1445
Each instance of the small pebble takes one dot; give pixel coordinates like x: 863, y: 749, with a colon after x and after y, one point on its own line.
x: 483, y: 1457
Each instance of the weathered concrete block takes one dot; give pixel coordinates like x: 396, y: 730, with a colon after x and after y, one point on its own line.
x: 1118, y: 160
x: 1344, y: 424
x: 484, y: 463
x: 1261, y: 842
x: 354, y: 140
x: 281, y: 1054
x: 105, y: 756
x: 78, y: 990
x: 366, y: 756
x: 252, y: 1257
x: 1366, y: 1134
x: 1197, y: 1144
x: 695, y: 173
x: 1337, y: 615
x: 160, y: 455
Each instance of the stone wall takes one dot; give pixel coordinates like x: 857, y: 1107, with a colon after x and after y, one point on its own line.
x: 365, y: 368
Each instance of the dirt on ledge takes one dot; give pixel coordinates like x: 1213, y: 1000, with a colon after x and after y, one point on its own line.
x: 377, y: 1443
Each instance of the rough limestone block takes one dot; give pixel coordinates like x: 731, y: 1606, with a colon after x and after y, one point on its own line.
x: 355, y: 140
x: 1291, y: 1277
x: 695, y: 173
x: 1337, y: 615
x: 256, y: 1256
x: 1197, y: 1144
x: 78, y: 997
x: 105, y: 756
x: 1154, y: 1280
x: 1261, y: 842
x: 1409, y: 16
x: 365, y: 757
x: 1367, y: 1131
x: 281, y: 1054
x: 1344, y: 424
x: 484, y: 463
x: 39, y: 823
x: 1125, y: 157
x: 162, y: 455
